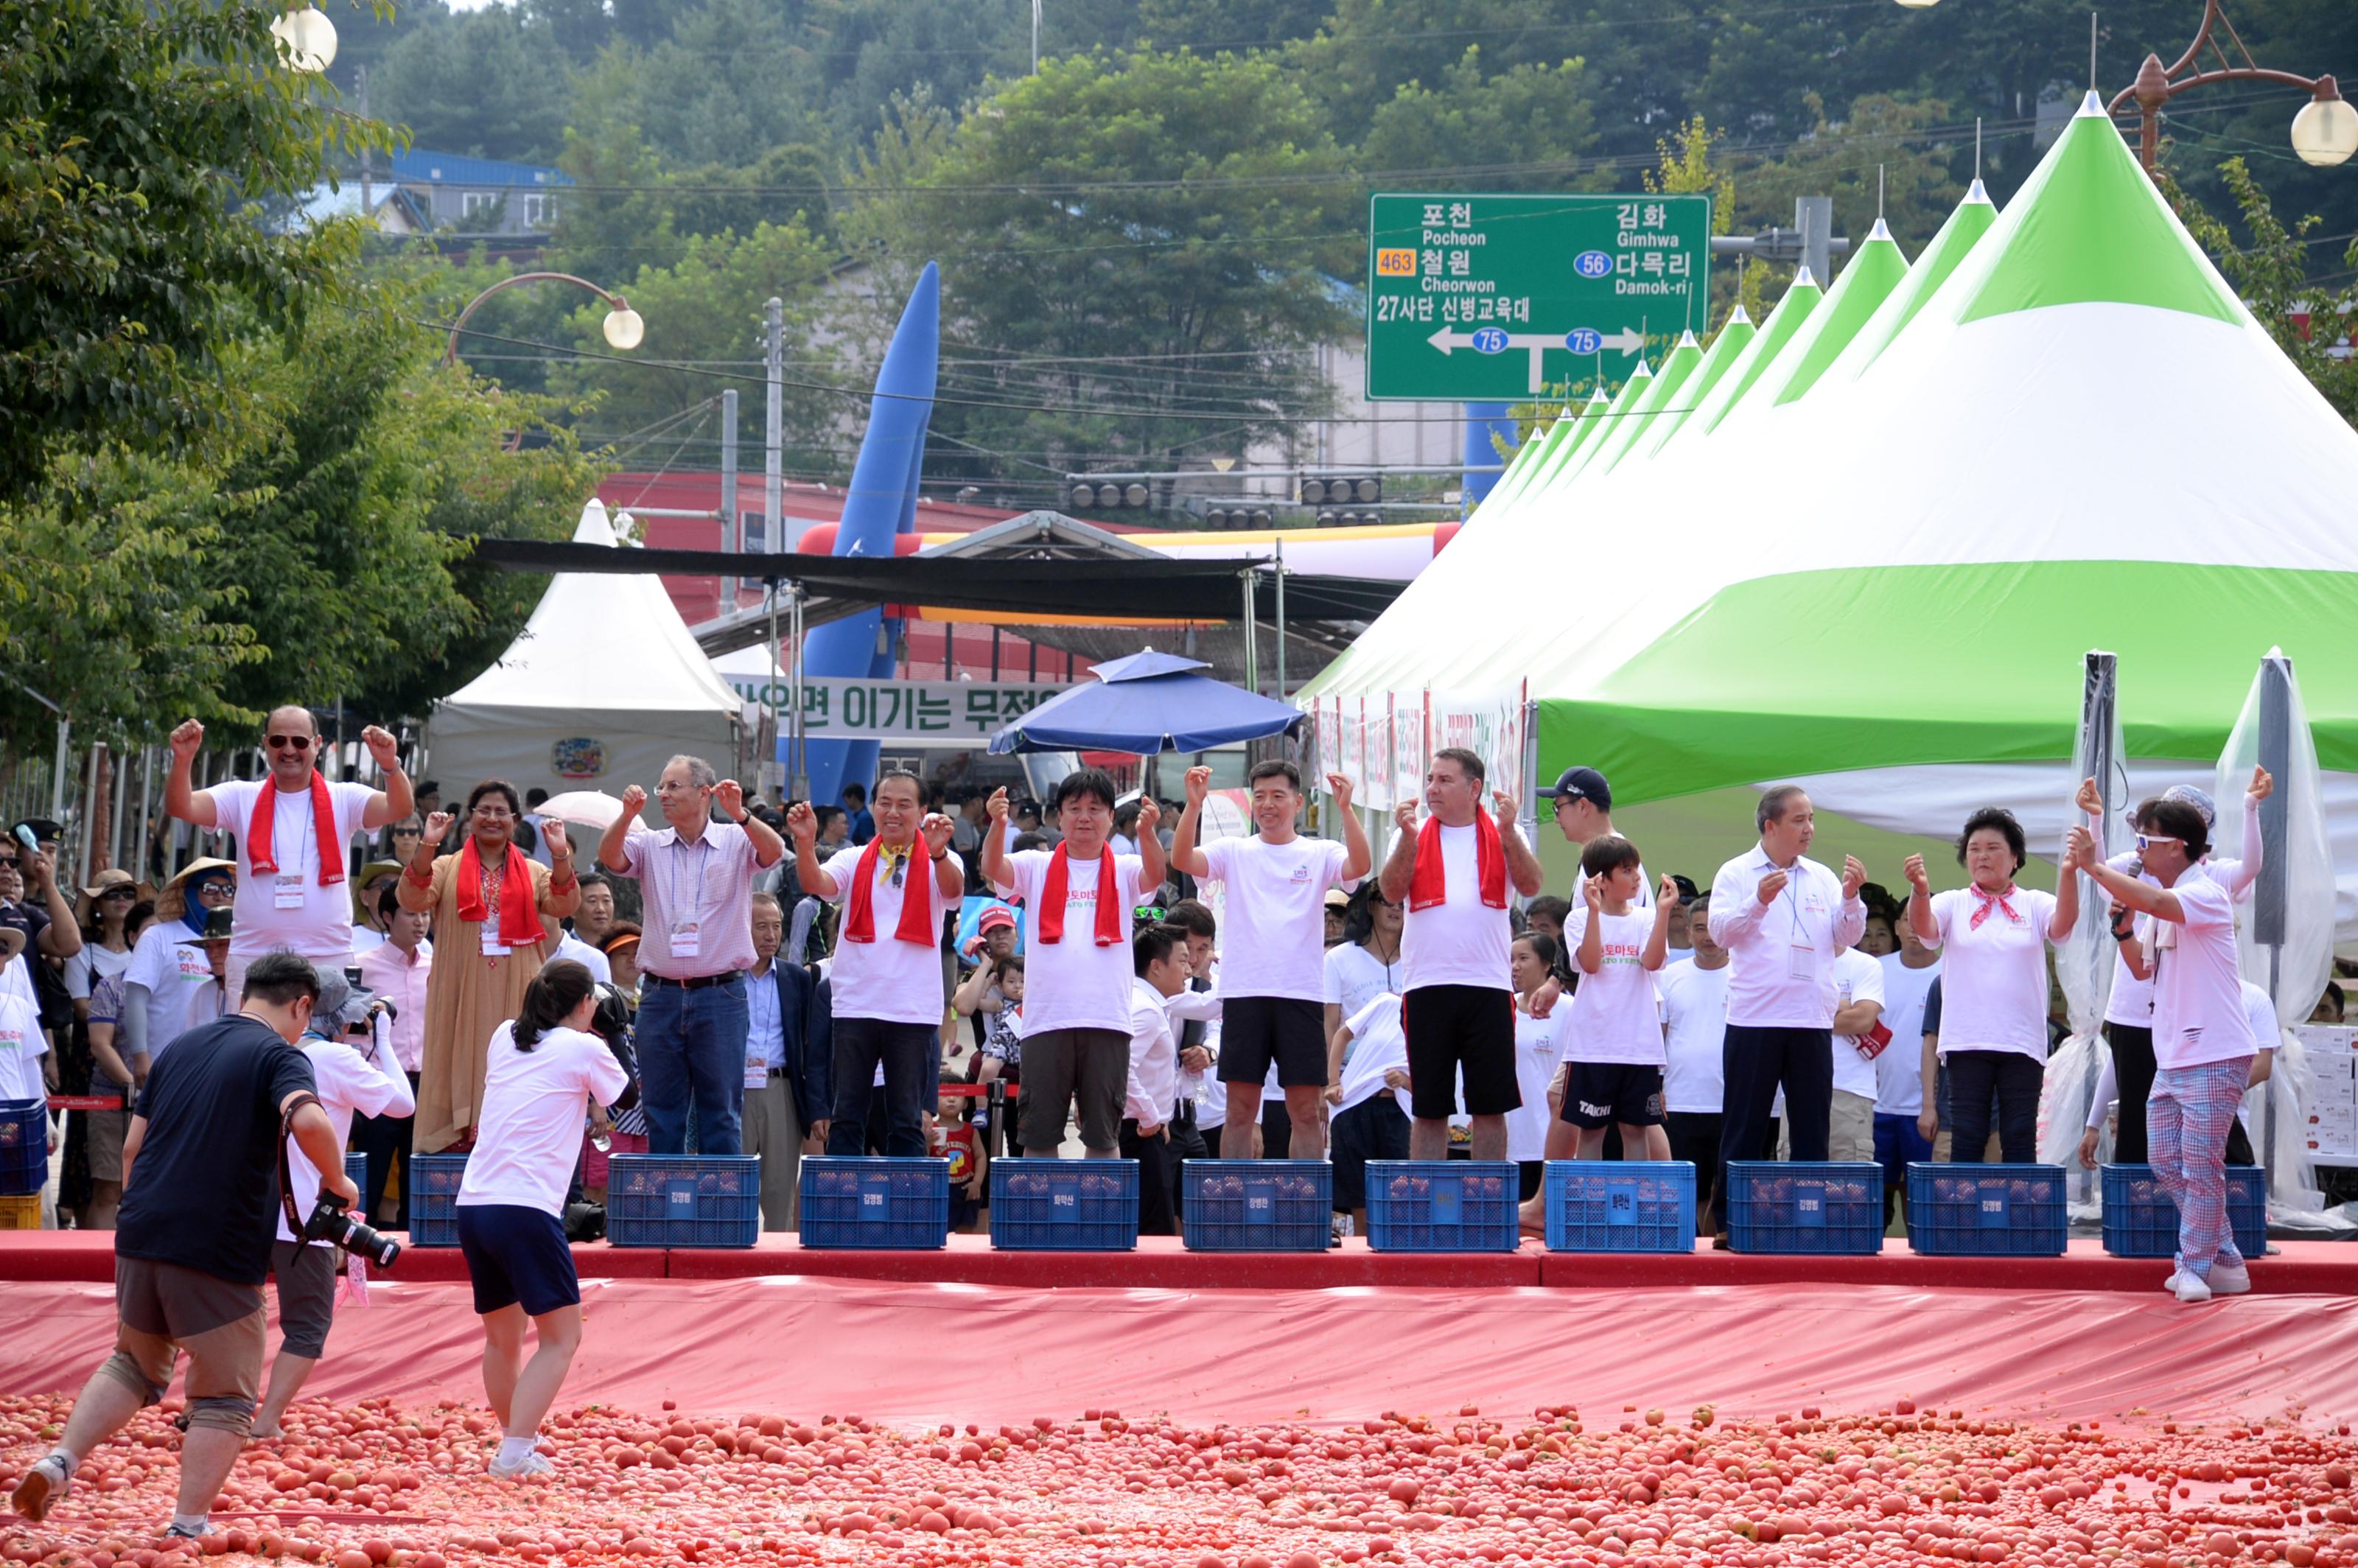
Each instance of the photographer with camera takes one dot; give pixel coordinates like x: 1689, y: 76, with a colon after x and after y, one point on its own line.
x: 546, y: 1068
x: 352, y: 1065
x: 192, y: 1242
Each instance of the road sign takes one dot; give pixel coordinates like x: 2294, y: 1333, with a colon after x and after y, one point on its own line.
x: 1476, y: 299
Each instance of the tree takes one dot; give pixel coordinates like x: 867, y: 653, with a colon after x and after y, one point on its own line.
x: 722, y: 87
x: 1685, y: 165
x: 1888, y: 154
x: 133, y: 134
x: 488, y: 84
x: 1530, y: 114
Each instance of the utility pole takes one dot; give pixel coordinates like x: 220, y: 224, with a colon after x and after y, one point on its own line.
x: 368, y: 205
x: 731, y: 539
x: 1035, y: 38
x: 773, y: 497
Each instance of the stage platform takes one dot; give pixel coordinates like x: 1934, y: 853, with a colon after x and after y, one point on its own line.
x: 2302, y: 1268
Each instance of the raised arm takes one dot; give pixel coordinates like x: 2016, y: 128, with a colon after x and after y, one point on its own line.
x: 1150, y: 845
x: 1919, y: 905
x: 2066, y: 906
x: 1400, y: 866
x: 1522, y: 865
x: 182, y: 798
x: 809, y: 870
x: 1657, y: 942
x: 994, y: 839
x: 1185, y: 854
x: 729, y: 796
x: 394, y: 802
x: 2134, y: 893
x: 1357, y: 855
x: 610, y: 851
x: 949, y: 876
x: 415, y: 891
x: 1590, y: 954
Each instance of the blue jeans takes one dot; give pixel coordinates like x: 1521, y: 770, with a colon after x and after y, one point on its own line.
x: 1897, y: 1144
x: 691, y: 1046
x: 911, y: 1054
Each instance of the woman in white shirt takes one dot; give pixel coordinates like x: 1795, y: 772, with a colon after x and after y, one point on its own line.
x: 1540, y: 1047
x: 1993, y: 983
x: 546, y: 1070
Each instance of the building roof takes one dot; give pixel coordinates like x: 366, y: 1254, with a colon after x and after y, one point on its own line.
x: 423, y: 166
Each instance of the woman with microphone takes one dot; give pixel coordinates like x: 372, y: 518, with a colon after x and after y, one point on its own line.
x: 545, y: 1070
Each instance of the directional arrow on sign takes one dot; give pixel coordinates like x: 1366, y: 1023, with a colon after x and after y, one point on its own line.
x: 1629, y: 340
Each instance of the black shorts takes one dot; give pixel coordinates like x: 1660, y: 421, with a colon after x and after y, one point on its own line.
x: 1451, y: 1028
x: 517, y: 1256
x: 1598, y: 1093
x: 1375, y: 1128
x: 1257, y: 1030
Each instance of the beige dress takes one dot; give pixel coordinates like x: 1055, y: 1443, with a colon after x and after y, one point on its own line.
x: 468, y: 997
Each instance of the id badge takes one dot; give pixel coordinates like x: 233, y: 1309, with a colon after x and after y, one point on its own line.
x: 684, y: 943
x: 1802, y: 962
x: 492, y: 947
x: 286, y: 893
x: 757, y: 1072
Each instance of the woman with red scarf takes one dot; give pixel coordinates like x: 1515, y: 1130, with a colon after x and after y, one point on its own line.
x: 1993, y: 984
x: 496, y: 911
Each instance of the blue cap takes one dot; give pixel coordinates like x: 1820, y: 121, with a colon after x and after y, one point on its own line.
x: 1582, y: 783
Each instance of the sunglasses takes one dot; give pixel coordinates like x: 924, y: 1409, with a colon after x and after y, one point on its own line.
x: 2148, y: 840
x: 126, y: 894
x: 289, y: 742
x: 1148, y: 911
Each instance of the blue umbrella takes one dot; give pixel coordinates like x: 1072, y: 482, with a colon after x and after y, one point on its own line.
x: 1145, y: 703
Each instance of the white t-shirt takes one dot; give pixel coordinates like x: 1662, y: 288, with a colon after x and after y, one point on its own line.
x: 1857, y: 977
x: 900, y: 982
x: 568, y: 945
x: 2198, y: 995
x: 2131, y: 1001
x: 1462, y: 941
x: 1995, y: 996
x: 1379, y: 1045
x: 92, y: 965
x: 1615, y: 1014
x: 320, y: 926
x: 1356, y: 977
x: 348, y: 1082
x: 1273, y: 943
x: 1694, y: 1027
x: 1781, y: 954
x: 1899, y: 1071
x: 534, y: 1104
x: 1075, y: 983
x: 181, y: 990
x: 22, y: 1046
x: 1540, y: 1047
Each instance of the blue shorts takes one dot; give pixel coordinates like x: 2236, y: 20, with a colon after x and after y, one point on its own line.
x: 517, y: 1256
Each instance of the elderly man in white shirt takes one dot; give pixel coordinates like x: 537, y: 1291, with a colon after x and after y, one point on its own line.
x: 1784, y: 920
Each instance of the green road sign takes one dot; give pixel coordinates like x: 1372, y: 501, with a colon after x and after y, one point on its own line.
x: 1495, y: 298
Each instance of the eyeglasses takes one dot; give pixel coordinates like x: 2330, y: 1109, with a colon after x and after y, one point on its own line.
x: 221, y: 890
x: 2148, y: 840
x: 290, y: 742
x: 124, y: 894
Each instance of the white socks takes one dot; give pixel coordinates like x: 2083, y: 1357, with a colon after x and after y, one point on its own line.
x: 514, y: 1451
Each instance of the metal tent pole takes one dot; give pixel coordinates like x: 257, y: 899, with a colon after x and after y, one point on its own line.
x: 2271, y: 896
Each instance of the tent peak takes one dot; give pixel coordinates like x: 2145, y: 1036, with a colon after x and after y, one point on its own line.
x: 1144, y: 664
x: 1978, y: 192
x: 1737, y: 315
x: 1803, y: 277
x: 594, y: 528
x: 1687, y: 340
x: 1881, y: 231
x: 2092, y: 106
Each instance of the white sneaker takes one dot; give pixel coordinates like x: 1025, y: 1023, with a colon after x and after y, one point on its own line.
x: 44, y: 1484
x: 2170, y: 1284
x: 2230, y: 1281
x: 2191, y: 1289
x: 533, y: 1464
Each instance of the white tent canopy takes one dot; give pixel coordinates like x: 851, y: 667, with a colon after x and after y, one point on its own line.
x: 602, y: 687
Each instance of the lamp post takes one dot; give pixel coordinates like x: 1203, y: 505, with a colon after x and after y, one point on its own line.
x: 624, y: 327
x: 2325, y: 132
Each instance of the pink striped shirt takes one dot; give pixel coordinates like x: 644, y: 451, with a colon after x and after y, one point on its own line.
x: 707, y: 883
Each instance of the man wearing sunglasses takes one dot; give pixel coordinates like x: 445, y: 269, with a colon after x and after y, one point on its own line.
x: 294, y: 831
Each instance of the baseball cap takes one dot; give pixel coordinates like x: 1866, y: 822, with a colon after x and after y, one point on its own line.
x: 997, y: 915
x: 1582, y: 783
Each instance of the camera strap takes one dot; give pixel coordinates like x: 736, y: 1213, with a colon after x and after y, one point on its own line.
x: 286, y: 1174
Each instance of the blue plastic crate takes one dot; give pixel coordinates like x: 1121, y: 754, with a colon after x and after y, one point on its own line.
x: 2140, y: 1220
x: 1986, y: 1211
x: 1629, y: 1206
x: 684, y: 1200
x: 1258, y: 1205
x: 434, y: 1198
x: 1444, y: 1205
x: 24, y: 1147
x: 1064, y: 1205
x: 1832, y: 1206
x: 356, y: 1172
x: 864, y: 1202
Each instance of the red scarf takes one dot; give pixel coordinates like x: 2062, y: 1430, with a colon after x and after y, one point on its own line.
x: 1985, y: 902
x: 519, y: 912
x: 1429, y: 883
x: 916, y: 900
x: 264, y: 857
x: 1058, y: 888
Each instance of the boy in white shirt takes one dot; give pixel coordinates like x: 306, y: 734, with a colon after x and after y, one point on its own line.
x: 1614, y: 1072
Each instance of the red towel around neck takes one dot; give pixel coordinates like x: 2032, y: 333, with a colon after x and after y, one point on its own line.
x: 916, y: 900
x: 262, y: 853
x: 519, y: 911
x: 1429, y: 885
x: 1058, y: 888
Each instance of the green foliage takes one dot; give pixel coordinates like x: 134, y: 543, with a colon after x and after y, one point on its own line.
x: 1907, y: 145
x: 132, y: 135
x: 487, y: 83
x: 1532, y: 114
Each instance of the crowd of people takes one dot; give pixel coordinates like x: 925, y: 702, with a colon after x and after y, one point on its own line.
x: 795, y: 983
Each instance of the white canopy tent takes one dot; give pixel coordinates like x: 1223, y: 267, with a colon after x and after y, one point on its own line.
x: 601, y: 688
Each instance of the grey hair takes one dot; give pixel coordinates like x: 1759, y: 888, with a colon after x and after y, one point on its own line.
x: 1772, y: 806
x: 699, y: 772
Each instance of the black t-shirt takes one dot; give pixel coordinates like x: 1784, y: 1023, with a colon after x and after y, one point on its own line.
x: 204, y: 1190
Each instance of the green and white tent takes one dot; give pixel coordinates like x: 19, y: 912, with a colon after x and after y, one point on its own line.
x: 1874, y: 554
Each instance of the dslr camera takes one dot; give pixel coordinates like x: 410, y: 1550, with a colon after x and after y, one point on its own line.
x: 330, y: 1221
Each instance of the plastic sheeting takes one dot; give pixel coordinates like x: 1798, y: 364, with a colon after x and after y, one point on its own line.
x: 2291, y: 960
x: 915, y: 1353
x: 2072, y: 1072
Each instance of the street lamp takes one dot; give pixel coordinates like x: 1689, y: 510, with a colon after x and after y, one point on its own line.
x: 307, y: 39
x: 624, y: 327
x: 2324, y: 132
x: 1919, y: 4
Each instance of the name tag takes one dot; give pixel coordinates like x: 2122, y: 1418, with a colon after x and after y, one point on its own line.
x: 287, y: 891
x: 684, y: 941
x: 492, y: 947
x: 757, y: 1072
x: 1802, y: 961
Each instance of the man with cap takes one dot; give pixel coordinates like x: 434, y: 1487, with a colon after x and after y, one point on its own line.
x: 354, y: 1066
x: 179, y: 966
x: 1584, y: 811
x: 294, y: 831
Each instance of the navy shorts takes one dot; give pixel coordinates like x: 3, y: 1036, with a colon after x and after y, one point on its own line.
x: 517, y: 1256
x: 1258, y: 1030
x: 1598, y: 1093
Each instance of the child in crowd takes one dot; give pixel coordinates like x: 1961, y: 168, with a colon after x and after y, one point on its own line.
x: 1370, y: 1096
x: 954, y: 1135
x: 1001, y: 1053
x: 1541, y: 1044
x: 1614, y: 1076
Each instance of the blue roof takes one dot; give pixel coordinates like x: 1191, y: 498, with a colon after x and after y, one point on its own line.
x: 429, y: 168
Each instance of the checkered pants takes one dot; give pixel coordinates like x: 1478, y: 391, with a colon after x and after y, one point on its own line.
x: 2187, y: 1119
